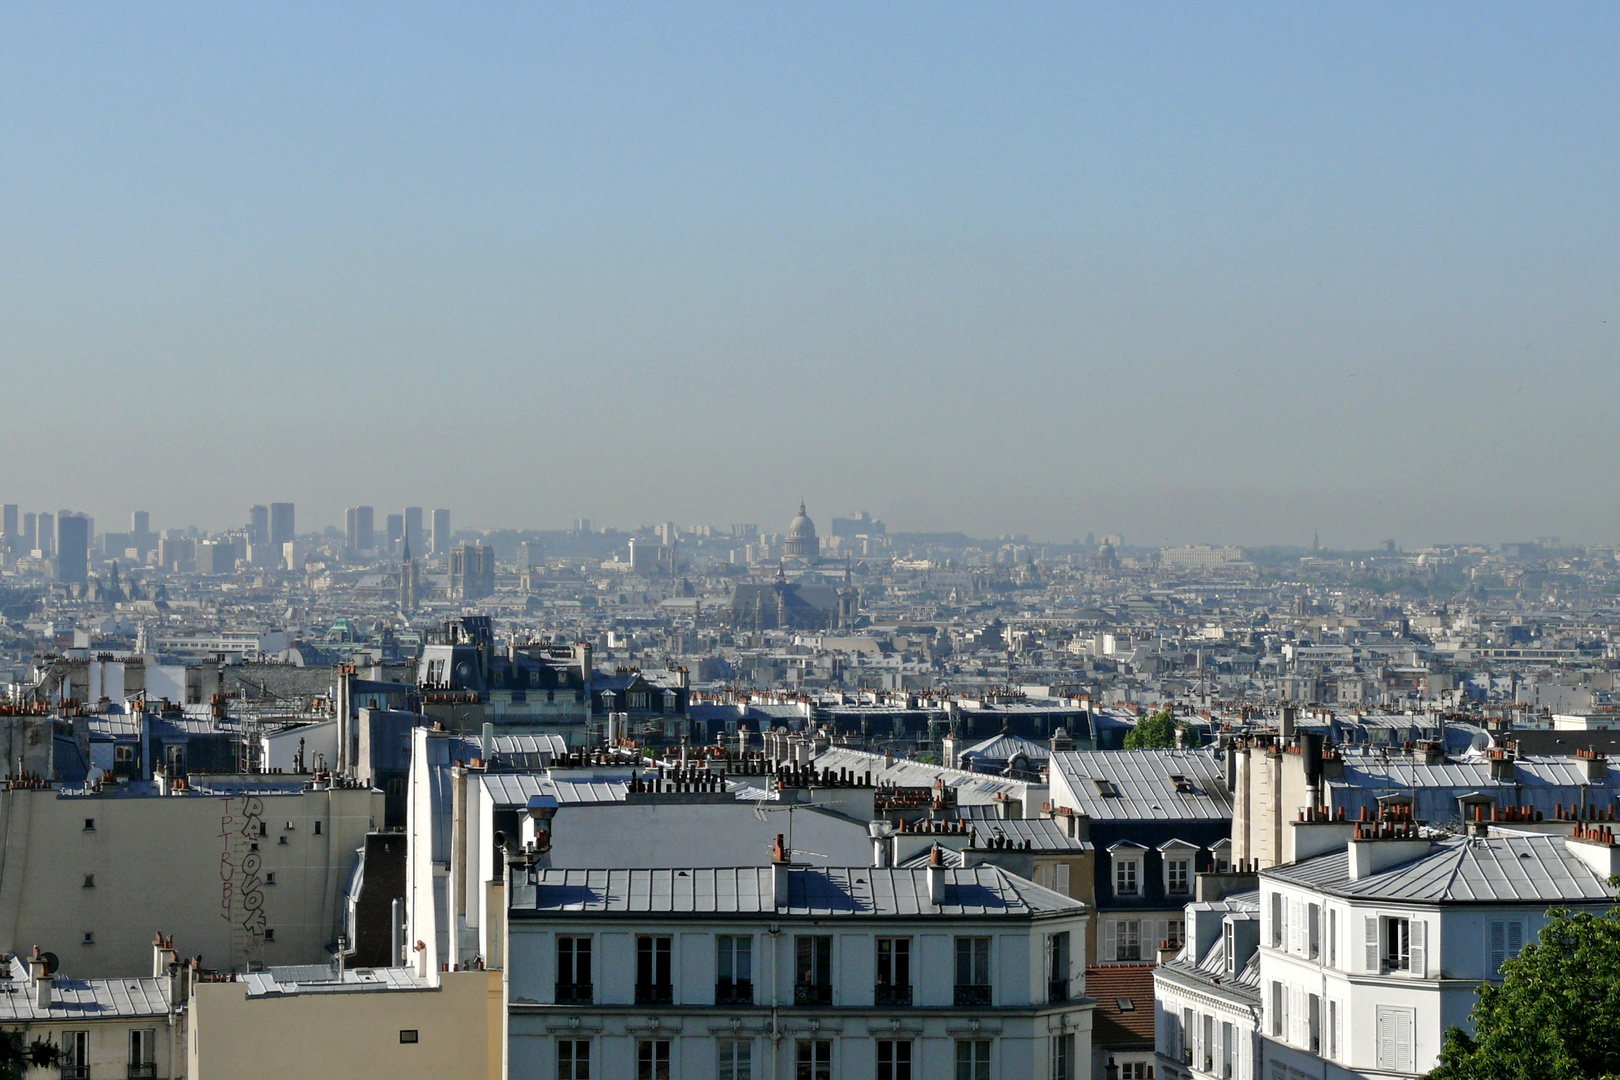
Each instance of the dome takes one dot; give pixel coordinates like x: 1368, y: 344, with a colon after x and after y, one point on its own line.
x: 802, y: 528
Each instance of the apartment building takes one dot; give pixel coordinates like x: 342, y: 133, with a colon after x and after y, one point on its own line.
x: 1370, y: 952
x: 792, y: 971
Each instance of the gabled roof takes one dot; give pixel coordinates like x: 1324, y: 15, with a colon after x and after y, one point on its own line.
x: 1463, y: 870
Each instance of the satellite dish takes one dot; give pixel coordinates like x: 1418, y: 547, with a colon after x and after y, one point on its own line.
x: 51, y: 962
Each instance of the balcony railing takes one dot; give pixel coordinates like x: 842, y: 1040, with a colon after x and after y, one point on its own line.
x: 75, y: 1072
x: 973, y: 995
x: 575, y: 993
x: 738, y: 992
x: 656, y: 994
x: 812, y: 994
x: 144, y: 1071
x: 885, y: 995
x: 1057, y: 990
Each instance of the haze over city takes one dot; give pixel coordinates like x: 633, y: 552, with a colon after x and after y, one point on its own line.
x: 1236, y: 274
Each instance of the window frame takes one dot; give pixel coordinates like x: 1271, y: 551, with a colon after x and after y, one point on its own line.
x: 895, y: 1058
x: 653, y: 1059
x: 975, y: 1063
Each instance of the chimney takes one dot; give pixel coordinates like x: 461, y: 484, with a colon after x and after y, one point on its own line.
x: 881, y: 832
x: 781, y: 868
x: 1594, y: 845
x: 1380, y: 846
x: 537, y: 826
x: 41, y: 979
x: 1501, y: 765
x: 1594, y: 765
x: 1287, y: 726
x: 936, y: 876
x: 487, y: 744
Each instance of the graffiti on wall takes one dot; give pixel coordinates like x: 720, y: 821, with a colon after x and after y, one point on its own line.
x: 241, y: 874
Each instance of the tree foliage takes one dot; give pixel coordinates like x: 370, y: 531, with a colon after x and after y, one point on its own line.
x: 17, y: 1055
x: 1556, y: 1015
x: 1154, y: 732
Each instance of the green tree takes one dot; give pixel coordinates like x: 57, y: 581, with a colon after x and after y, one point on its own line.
x: 17, y: 1055
x: 1152, y: 733
x: 1556, y: 1015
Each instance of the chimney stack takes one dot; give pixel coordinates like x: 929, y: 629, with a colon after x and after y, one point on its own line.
x: 781, y: 867
x: 41, y: 979
x: 936, y: 876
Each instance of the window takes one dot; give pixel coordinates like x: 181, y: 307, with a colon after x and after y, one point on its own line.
x: 1313, y: 924
x: 1276, y: 920
x: 317, y: 828
x: 812, y: 1059
x: 734, y: 970
x: 1506, y: 940
x: 264, y: 828
x: 1313, y: 1015
x: 281, y: 841
x: 1185, y: 1036
x: 269, y: 935
x: 89, y: 937
x: 574, y: 971
x: 1227, y: 1050
x: 652, y: 971
x: 1279, y: 1010
x: 89, y: 881
x: 972, y: 1059
x: 894, y: 1059
x: 1395, y: 1026
x: 972, y: 971
x: 1057, y: 967
x: 270, y: 878
x: 1333, y: 937
x: 1333, y: 1030
x: 735, y: 1058
x: 1128, y: 940
x: 1177, y: 880
x: 1174, y: 931
x: 396, y: 787
x: 652, y: 1059
x: 75, y: 1055
x: 893, y: 972
x: 1133, y: 1070
x: 143, y: 1053
x: 812, y: 969
x: 89, y: 824
x: 409, y: 1035
x: 573, y: 1059
x: 1397, y: 938
x: 1063, y: 1057
x: 1209, y: 1043
x: 1127, y: 876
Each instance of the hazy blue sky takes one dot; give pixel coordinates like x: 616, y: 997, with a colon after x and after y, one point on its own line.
x: 1206, y: 272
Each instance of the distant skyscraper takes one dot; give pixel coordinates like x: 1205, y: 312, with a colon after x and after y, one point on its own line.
x: 8, y: 524
x: 258, y: 528
x: 396, y: 529
x: 140, y: 523
x: 441, y: 532
x: 73, y: 548
x: 414, y: 534
x: 30, y: 532
x: 281, y: 524
x: 46, y: 535
x: 358, y: 528
x: 582, y: 525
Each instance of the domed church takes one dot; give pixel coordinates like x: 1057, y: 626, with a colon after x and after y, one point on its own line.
x: 801, y: 540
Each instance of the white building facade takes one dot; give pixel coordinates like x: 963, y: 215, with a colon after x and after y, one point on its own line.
x: 789, y: 972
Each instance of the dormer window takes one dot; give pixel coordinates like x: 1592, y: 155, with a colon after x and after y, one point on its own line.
x: 1178, y: 867
x: 1127, y: 859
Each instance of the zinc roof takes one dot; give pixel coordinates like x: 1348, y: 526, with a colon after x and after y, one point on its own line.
x: 852, y: 892
x: 79, y: 999
x: 1136, y: 784
x: 318, y: 979
x: 1531, y: 869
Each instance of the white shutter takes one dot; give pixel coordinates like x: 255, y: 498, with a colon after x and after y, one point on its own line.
x: 1419, y: 954
x: 1109, y: 953
x: 1498, y: 950
x: 1063, y: 878
x: 1370, y: 930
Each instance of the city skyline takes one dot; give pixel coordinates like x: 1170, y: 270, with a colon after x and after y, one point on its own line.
x: 1188, y: 273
